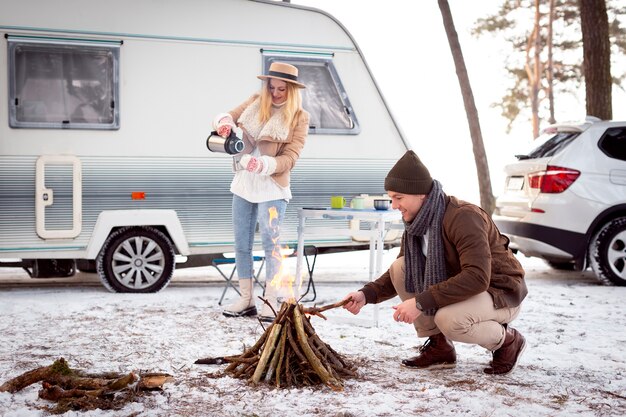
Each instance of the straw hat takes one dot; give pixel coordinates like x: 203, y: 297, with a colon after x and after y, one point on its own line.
x: 284, y: 72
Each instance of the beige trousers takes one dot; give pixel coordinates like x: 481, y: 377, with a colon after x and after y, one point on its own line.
x: 474, y: 320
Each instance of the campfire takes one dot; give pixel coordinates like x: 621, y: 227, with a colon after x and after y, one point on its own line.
x: 290, y: 354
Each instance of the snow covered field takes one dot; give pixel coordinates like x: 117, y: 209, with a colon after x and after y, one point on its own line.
x: 574, y: 365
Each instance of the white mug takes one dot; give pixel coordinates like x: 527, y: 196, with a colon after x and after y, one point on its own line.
x: 357, y: 203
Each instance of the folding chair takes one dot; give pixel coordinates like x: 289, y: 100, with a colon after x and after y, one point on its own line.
x: 220, y: 262
x: 310, y: 266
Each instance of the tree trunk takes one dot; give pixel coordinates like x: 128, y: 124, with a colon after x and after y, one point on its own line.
x: 487, y: 200
x: 550, y: 74
x: 536, y: 71
x: 596, y: 58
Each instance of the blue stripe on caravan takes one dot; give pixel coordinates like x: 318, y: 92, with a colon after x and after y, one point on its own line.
x: 201, y: 244
x: 51, y: 38
x: 44, y: 248
x: 175, y: 38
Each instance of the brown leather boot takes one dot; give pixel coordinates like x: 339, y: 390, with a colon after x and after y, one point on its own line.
x: 436, y: 353
x: 506, y: 357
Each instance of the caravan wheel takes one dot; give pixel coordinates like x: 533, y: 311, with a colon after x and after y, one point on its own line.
x: 136, y: 259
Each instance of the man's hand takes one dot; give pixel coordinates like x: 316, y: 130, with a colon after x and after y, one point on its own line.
x: 357, y: 303
x: 406, y: 311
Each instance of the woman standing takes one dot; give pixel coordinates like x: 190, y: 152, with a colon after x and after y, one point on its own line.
x: 275, y: 127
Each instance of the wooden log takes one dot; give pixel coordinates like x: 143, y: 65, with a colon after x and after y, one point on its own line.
x: 283, y: 348
x: 153, y: 381
x: 295, y: 348
x: 219, y: 360
x: 288, y: 375
x: 55, y: 393
x: 315, y: 311
x: 121, y: 383
x: 277, y: 353
x: 252, y: 359
x: 100, y: 375
x: 79, y: 382
x: 327, y: 354
x: 20, y: 382
x: 270, y: 344
x: 252, y: 351
x: 269, y: 305
x: 314, y: 361
x: 247, y: 370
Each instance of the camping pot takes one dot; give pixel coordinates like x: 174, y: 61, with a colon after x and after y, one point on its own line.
x: 230, y: 145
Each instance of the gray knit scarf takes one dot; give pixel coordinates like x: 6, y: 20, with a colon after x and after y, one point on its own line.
x: 422, y: 272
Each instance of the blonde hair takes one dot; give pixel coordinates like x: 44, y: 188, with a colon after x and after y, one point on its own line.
x: 291, y: 108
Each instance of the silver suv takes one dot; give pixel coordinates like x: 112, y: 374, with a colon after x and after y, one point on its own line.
x: 565, y: 201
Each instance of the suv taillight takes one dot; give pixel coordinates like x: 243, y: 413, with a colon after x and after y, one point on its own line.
x: 553, y: 179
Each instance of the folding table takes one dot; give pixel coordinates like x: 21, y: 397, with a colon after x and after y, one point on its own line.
x: 379, y: 223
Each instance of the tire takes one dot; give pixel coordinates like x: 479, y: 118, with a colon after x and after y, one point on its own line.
x: 607, y: 252
x: 136, y: 260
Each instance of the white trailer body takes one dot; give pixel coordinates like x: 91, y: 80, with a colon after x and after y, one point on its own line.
x: 105, y: 108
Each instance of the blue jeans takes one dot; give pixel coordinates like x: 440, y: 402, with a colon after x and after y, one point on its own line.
x: 245, y: 215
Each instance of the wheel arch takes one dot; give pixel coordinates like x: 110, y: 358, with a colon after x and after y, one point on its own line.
x: 603, y: 218
x: 166, y: 221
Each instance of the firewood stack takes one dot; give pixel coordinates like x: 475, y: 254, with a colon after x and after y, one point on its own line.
x: 291, y: 354
x: 73, y: 389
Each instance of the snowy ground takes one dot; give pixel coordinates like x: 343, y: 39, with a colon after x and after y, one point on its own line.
x: 574, y: 365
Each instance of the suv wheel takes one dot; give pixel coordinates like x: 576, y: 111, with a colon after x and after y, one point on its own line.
x: 136, y: 259
x: 607, y: 252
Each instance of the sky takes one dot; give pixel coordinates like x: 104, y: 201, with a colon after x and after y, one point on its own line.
x: 405, y: 46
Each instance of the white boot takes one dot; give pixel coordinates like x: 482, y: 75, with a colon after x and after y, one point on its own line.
x: 270, y: 295
x: 245, y: 305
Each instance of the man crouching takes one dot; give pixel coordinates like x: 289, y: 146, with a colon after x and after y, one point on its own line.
x: 456, y: 277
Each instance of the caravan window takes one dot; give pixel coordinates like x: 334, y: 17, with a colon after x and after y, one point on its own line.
x: 63, y: 84
x: 324, y: 98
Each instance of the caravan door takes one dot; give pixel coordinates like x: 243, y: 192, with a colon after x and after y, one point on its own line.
x: 58, y: 196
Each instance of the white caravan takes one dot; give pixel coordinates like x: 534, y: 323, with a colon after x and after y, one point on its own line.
x: 105, y: 108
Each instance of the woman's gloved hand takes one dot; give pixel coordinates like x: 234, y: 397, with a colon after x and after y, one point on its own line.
x: 251, y: 164
x: 223, y: 124
x: 263, y: 165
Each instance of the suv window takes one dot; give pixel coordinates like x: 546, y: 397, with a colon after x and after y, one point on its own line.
x: 613, y: 143
x: 550, y: 144
x: 63, y: 84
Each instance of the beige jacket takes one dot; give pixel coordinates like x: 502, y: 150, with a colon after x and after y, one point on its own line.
x: 285, y: 148
x: 478, y: 259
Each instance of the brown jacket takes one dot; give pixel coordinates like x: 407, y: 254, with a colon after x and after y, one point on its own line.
x: 477, y: 259
x: 285, y: 151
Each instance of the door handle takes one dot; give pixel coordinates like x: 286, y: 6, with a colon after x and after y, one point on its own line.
x: 47, y: 196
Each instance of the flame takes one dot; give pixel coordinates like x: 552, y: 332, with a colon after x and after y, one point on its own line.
x: 282, y: 280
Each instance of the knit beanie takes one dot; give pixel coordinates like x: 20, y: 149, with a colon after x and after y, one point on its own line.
x: 409, y: 176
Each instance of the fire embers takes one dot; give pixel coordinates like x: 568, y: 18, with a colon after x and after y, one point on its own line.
x: 291, y: 354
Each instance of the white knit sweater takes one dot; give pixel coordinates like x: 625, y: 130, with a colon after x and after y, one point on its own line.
x: 258, y: 188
